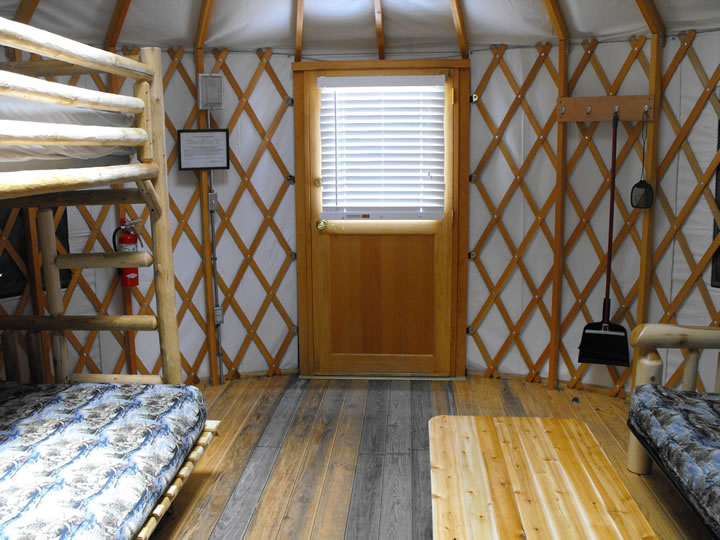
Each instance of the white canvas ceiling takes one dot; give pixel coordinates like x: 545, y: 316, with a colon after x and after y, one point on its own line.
x: 348, y: 26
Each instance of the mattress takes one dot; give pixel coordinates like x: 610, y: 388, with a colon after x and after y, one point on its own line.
x: 33, y: 111
x: 90, y: 460
x: 681, y: 431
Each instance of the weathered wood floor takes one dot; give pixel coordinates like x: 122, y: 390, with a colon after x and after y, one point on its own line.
x: 349, y: 459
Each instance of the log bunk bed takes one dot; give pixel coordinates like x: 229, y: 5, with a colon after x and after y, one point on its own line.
x: 94, y: 455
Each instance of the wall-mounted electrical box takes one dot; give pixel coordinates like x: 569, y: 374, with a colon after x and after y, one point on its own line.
x: 210, y: 91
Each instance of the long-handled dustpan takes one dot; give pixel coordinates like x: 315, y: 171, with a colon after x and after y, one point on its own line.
x: 604, y: 342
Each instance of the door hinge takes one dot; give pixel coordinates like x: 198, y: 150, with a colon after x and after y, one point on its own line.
x: 219, y: 315
x: 452, y: 96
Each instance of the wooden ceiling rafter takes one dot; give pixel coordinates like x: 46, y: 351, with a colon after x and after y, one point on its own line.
x: 459, y: 27
x: 116, y: 24
x: 557, y: 19
x: 203, y: 21
x: 299, y: 30
x: 23, y: 14
x: 379, y: 30
x: 652, y: 18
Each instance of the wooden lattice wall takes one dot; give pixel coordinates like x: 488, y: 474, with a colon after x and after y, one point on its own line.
x: 255, y: 230
x: 515, y: 162
x: 510, y: 305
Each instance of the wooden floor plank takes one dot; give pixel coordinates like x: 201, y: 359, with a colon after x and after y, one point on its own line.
x: 302, y: 505
x: 421, y: 413
x: 655, y: 508
x: 365, y: 505
x: 255, y: 425
x: 375, y: 421
x: 232, y: 408
x: 440, y: 397
x: 464, y: 398
x: 396, y: 517
x: 488, y: 396
x: 241, y: 506
x: 397, y: 439
x: 421, y: 496
x: 265, y: 522
x: 277, y: 428
x: 334, y: 504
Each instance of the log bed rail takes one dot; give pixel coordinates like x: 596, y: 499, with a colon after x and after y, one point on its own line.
x: 648, y: 338
x: 46, y: 188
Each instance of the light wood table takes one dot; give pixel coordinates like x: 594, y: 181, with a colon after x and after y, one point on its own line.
x: 503, y: 477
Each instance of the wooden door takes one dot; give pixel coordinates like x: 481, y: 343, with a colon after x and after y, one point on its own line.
x: 382, y: 291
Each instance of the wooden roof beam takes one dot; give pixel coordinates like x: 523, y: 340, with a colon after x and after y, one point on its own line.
x: 23, y: 14
x: 299, y: 30
x: 459, y: 27
x: 557, y: 19
x: 203, y: 20
x: 116, y: 24
x: 379, y: 29
x: 652, y: 18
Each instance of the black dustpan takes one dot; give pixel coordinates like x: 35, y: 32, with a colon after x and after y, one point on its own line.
x: 604, y: 342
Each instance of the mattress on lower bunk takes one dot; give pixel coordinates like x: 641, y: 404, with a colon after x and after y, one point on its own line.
x: 90, y: 460
x: 681, y: 431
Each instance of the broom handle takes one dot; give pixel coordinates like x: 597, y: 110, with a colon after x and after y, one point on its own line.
x: 606, y: 302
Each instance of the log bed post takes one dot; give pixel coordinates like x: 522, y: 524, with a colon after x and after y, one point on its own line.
x: 162, y: 236
x: 51, y: 274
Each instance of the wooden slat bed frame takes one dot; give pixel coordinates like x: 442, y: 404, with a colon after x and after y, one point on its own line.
x: 31, y: 189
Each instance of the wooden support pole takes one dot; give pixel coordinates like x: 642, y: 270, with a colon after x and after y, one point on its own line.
x: 98, y: 197
x: 36, y: 360
x: 27, y: 183
x: 143, y: 121
x: 22, y: 86
x: 161, y: 233
x: 10, y: 356
x: 116, y: 23
x: 559, y: 231
x: 19, y: 132
x: 207, y: 248
x: 105, y: 260
x: 651, y: 168
x: 61, y: 323
x: 649, y: 370
x: 690, y: 370
x: 38, y: 343
x: 34, y: 40
x: 51, y: 274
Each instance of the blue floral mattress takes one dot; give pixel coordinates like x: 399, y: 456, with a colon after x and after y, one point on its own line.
x: 90, y: 460
x: 681, y: 431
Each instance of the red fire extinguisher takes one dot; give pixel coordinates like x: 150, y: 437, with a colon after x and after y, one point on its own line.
x: 127, y: 241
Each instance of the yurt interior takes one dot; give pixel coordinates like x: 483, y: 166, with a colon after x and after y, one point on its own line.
x: 369, y: 269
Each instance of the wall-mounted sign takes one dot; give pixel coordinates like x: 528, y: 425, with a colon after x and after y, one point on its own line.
x: 203, y: 149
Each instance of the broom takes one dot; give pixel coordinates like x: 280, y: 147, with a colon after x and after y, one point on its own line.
x: 604, y: 342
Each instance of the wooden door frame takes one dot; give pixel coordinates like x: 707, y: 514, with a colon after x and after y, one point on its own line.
x: 460, y: 72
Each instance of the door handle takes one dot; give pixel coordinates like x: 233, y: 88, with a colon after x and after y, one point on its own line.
x: 321, y: 225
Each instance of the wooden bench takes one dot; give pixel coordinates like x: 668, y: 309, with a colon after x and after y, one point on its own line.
x: 503, y: 477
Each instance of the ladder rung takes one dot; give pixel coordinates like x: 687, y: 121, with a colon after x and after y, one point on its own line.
x: 104, y: 260
x: 79, y: 322
x: 88, y: 197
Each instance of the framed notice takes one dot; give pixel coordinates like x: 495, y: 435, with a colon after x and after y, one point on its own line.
x: 203, y: 149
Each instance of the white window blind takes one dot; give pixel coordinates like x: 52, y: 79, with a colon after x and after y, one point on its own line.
x: 383, y: 147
